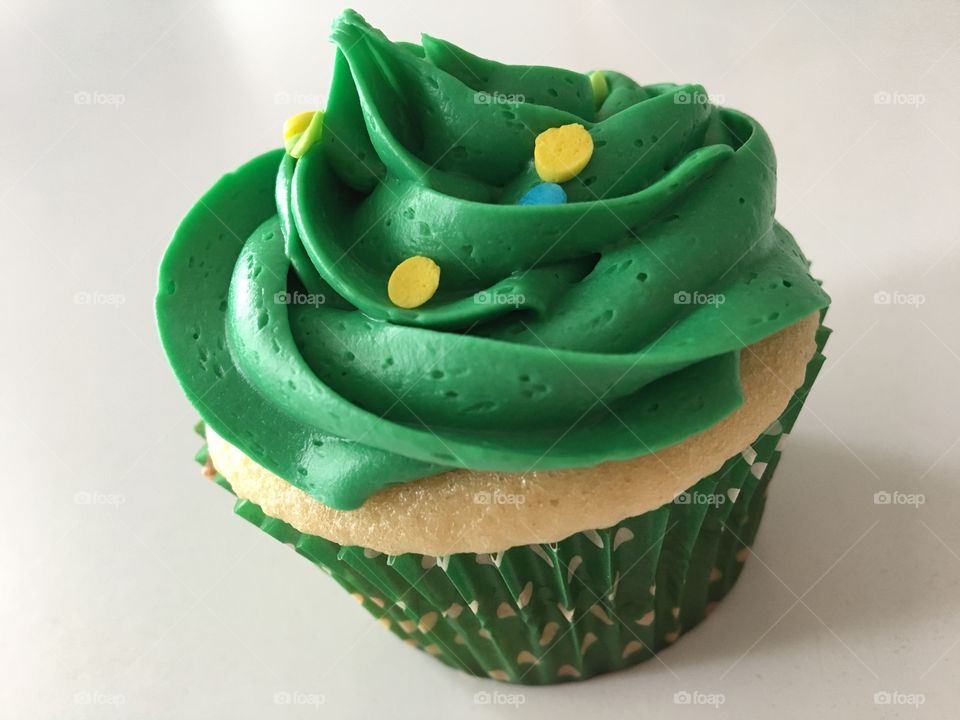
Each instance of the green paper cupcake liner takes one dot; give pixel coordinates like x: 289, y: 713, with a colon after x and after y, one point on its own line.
x: 597, y: 601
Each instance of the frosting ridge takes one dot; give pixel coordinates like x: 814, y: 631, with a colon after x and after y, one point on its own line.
x: 560, y: 336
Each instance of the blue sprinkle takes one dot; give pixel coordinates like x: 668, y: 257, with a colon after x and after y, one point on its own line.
x: 544, y: 194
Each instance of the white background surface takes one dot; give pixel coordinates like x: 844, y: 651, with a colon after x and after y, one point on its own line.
x: 153, y: 600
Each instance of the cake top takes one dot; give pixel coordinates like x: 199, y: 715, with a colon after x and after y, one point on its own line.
x: 465, y: 264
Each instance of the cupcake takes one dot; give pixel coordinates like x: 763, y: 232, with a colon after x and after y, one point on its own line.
x: 510, y: 352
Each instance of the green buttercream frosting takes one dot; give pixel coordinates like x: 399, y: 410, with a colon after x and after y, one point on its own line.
x: 561, y: 335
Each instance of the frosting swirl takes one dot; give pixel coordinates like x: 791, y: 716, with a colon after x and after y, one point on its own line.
x: 561, y: 335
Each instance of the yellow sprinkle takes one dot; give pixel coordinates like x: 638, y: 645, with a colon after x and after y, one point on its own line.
x: 561, y: 153
x: 296, y: 124
x: 306, y: 139
x: 413, y: 282
x: 598, y: 81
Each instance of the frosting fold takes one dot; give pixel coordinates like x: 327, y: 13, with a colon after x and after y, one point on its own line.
x: 561, y: 335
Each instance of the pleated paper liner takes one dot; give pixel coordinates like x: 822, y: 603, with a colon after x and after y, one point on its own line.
x: 597, y: 601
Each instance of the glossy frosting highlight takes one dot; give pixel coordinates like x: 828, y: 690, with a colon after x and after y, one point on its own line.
x: 561, y: 335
